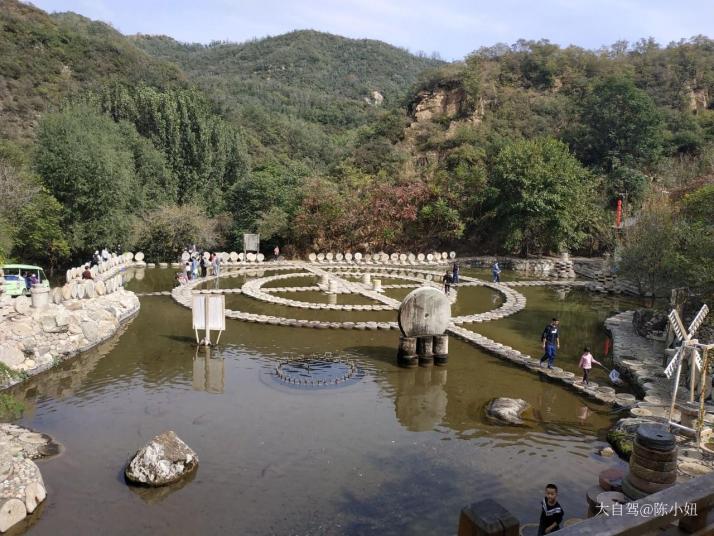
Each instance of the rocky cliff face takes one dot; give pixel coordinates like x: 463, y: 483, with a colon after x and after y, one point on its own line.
x: 441, y: 101
x: 698, y: 98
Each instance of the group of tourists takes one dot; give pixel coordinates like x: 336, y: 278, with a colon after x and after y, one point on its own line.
x: 199, y: 265
x: 99, y: 258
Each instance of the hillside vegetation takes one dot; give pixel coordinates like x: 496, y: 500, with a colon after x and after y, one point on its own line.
x: 44, y: 59
x: 299, y: 96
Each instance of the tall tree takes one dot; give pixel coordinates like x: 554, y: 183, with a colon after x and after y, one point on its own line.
x: 541, y: 197
x: 622, y: 126
x: 83, y: 160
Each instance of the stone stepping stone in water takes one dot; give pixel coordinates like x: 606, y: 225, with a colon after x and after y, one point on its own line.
x: 625, y: 400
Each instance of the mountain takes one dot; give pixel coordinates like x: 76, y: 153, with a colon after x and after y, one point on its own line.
x: 44, y: 59
x: 302, y: 95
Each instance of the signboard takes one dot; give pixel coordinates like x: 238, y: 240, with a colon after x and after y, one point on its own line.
x: 216, y: 312
x: 251, y: 242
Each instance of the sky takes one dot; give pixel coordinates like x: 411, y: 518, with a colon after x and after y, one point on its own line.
x: 452, y: 28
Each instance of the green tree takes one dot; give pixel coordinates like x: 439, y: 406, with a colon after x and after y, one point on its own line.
x: 647, y: 254
x: 83, y: 160
x: 204, y: 153
x: 39, y: 236
x: 622, y: 126
x: 255, y: 196
x: 540, y: 197
x: 162, y: 234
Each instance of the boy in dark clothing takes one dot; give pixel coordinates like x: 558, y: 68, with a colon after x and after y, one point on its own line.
x: 551, y: 514
x: 550, y: 339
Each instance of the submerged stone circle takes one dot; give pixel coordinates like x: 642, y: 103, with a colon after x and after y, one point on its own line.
x: 326, y: 371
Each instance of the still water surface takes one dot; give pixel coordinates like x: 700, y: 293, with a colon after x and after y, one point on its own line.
x: 397, y: 452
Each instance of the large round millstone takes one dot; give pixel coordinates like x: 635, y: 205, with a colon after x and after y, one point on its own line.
x: 655, y: 436
x: 424, y: 311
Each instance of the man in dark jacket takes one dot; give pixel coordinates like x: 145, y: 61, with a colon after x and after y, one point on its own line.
x: 550, y: 340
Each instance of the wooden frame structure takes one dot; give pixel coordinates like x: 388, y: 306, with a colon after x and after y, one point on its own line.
x: 698, y: 355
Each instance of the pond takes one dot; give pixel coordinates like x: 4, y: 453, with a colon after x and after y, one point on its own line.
x: 392, y: 451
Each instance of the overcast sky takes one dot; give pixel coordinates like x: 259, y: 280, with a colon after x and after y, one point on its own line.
x: 453, y: 28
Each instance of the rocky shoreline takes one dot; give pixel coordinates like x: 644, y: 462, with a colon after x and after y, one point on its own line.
x: 42, y: 338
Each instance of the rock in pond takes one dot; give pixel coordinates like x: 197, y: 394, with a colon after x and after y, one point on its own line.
x: 163, y: 460
x: 507, y: 410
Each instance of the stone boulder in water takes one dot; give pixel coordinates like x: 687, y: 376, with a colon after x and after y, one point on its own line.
x: 506, y: 410
x: 164, y: 459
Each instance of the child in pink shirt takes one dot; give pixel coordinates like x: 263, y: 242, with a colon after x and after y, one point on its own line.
x: 586, y: 363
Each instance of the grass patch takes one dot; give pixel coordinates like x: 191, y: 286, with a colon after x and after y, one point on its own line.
x: 10, y: 408
x: 621, y: 442
x: 6, y: 373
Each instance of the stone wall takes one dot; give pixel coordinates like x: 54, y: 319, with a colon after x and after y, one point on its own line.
x: 34, y: 339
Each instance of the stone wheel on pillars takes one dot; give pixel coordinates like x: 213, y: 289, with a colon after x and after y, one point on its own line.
x: 424, y: 311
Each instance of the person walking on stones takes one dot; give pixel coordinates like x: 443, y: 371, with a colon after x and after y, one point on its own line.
x: 187, y: 269
x: 496, y: 272
x: 447, y: 279
x: 550, y: 341
x: 586, y: 363
x: 551, y: 514
x: 216, y: 265
x: 455, y: 273
x: 194, y: 268
x: 204, y: 268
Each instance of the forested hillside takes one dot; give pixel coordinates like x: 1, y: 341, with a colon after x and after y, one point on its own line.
x: 317, y: 141
x: 44, y: 59
x: 300, y: 96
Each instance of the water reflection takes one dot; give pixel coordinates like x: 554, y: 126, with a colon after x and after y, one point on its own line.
x: 208, y: 371
x: 420, y: 397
